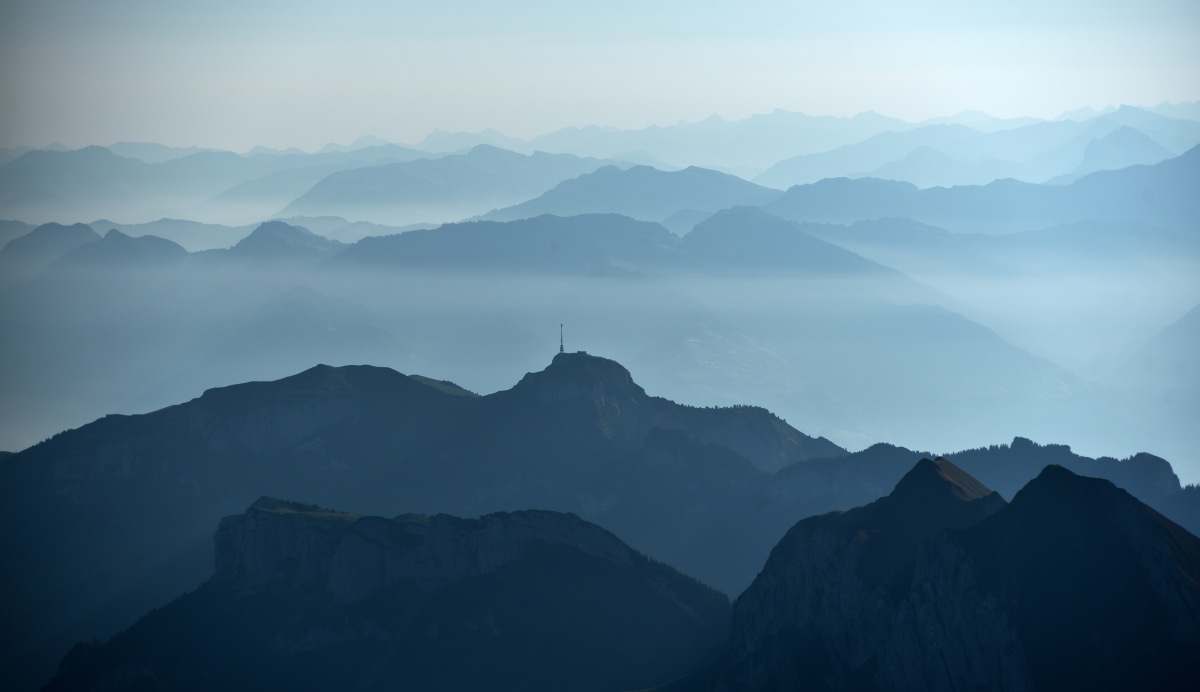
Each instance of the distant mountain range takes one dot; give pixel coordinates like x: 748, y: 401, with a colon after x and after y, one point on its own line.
x: 1160, y: 195
x: 833, y: 339
x: 947, y: 154
x: 372, y: 180
x: 755, y: 142
x: 642, y: 193
x: 442, y: 189
x: 26, y: 255
x: 94, y: 182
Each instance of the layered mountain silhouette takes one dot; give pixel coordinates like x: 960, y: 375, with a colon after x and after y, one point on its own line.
x: 10, y: 229
x: 674, y: 481
x: 742, y: 241
x: 276, y: 241
x: 25, y: 256
x: 94, y: 182
x: 755, y: 142
x: 590, y: 244
x: 1158, y: 195
x: 119, y: 251
x: 920, y: 249
x: 310, y: 598
x: 942, y: 585
x: 745, y: 240
x: 193, y: 236
x: 948, y: 153
x: 441, y: 189
x: 641, y: 192
x: 1120, y: 148
x: 131, y: 500
x: 939, y: 584
x: 860, y: 477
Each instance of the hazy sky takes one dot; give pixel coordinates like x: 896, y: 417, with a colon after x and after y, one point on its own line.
x: 297, y: 73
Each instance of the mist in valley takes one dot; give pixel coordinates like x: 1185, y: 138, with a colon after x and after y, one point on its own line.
x: 936, y: 358
x: 544, y: 346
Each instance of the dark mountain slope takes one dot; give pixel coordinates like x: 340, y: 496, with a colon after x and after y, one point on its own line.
x: 1073, y: 584
x: 641, y: 192
x: 820, y: 613
x: 1102, y: 591
x: 309, y: 598
x: 126, y: 499
x: 860, y: 477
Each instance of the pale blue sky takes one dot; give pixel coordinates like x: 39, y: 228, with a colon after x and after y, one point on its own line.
x: 236, y: 74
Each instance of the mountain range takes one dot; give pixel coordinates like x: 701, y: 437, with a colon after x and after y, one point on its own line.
x: 130, y: 500
x: 528, y: 600
x: 938, y: 584
x: 1159, y: 195
x: 440, y: 189
x: 641, y: 192
x: 833, y: 339
x: 943, y: 585
x: 372, y: 180
x: 949, y: 154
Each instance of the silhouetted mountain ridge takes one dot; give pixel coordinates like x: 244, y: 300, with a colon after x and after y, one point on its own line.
x: 1074, y: 582
x: 641, y: 192
x: 522, y: 600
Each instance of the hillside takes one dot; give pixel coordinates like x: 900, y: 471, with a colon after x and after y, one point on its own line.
x: 528, y: 600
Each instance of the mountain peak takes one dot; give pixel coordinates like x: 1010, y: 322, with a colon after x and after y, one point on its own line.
x: 575, y: 375
x: 940, y: 476
x: 1060, y: 485
x: 276, y: 239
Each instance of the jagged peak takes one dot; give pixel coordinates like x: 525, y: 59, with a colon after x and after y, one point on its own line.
x: 940, y: 476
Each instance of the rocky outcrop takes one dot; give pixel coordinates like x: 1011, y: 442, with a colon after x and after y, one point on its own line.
x: 307, y: 598
x: 823, y: 608
x: 355, y: 557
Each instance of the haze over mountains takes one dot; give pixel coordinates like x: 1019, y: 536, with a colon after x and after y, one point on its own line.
x: 707, y: 490
x: 746, y: 308
x: 791, y: 311
x: 140, y: 182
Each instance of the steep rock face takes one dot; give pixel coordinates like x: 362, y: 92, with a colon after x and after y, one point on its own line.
x: 1075, y: 584
x: 309, y: 598
x: 355, y: 556
x: 821, y: 611
x: 1104, y: 592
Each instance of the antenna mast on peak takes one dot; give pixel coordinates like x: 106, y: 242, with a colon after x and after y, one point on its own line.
x: 560, y: 341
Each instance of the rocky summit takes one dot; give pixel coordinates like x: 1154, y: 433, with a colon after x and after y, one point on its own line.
x: 308, y: 598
